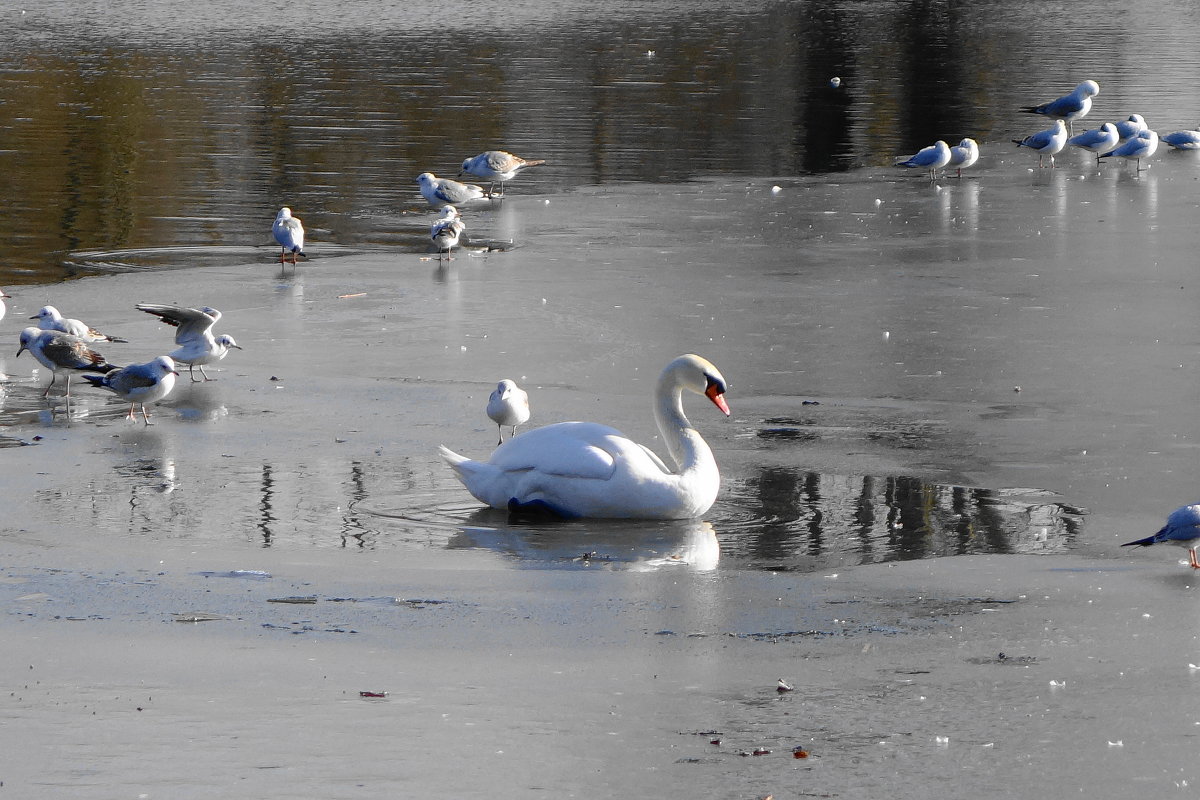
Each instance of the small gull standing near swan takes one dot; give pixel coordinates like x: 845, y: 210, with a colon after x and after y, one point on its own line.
x: 508, y: 405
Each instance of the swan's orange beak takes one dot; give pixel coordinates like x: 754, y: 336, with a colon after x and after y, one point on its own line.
x: 717, y: 395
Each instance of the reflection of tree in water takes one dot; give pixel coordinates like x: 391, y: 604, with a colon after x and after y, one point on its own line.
x: 792, y: 519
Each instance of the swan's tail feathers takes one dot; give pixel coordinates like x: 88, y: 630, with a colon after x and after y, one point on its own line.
x: 458, y: 463
x: 536, y: 510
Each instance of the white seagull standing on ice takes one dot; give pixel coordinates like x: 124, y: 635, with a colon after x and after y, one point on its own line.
x: 1071, y: 106
x: 508, y: 405
x: 62, y: 353
x: 932, y: 158
x: 584, y: 469
x: 197, y: 345
x: 1097, y: 140
x: 3, y: 308
x: 289, y: 232
x: 442, y: 191
x: 1182, y: 528
x: 1141, y: 146
x: 1047, y: 142
x: 1180, y: 140
x: 139, y: 384
x: 497, y: 166
x: 50, y: 320
x: 963, y: 155
x: 1131, y: 127
x: 446, y: 231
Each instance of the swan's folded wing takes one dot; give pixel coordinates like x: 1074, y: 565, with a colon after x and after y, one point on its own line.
x: 570, y: 449
x: 581, y: 461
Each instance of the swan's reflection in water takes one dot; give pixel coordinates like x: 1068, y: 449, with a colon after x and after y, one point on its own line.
x: 632, y: 545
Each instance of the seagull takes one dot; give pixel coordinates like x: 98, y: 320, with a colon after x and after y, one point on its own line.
x: 1047, y: 142
x: 1182, y: 528
x: 62, y: 353
x: 50, y: 320
x: 497, y: 165
x: 1071, y: 106
x: 508, y: 405
x: 446, y: 231
x: 3, y: 308
x: 1141, y: 146
x: 139, y: 384
x: 1096, y: 140
x: 1131, y: 127
x: 197, y: 346
x: 440, y: 191
x: 963, y: 155
x: 1180, y: 140
x: 932, y: 158
x: 289, y: 233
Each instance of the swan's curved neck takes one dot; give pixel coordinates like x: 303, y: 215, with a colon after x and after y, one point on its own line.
x: 686, y: 445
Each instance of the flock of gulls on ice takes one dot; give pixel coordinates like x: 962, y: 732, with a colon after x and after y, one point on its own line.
x: 568, y: 469
x: 1131, y: 139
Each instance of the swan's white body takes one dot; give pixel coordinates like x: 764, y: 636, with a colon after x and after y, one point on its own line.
x: 508, y: 405
x: 3, y: 309
x: 584, y: 469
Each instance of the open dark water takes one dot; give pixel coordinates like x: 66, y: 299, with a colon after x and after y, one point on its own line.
x: 134, y: 125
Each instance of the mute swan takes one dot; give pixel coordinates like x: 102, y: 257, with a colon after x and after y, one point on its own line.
x: 139, y: 384
x: 197, y: 344
x: 508, y: 405
x: 497, y: 165
x: 62, y: 352
x: 1182, y: 528
x: 584, y: 469
x: 289, y: 232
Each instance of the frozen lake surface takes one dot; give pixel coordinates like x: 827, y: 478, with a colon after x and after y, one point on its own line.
x: 1000, y: 368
